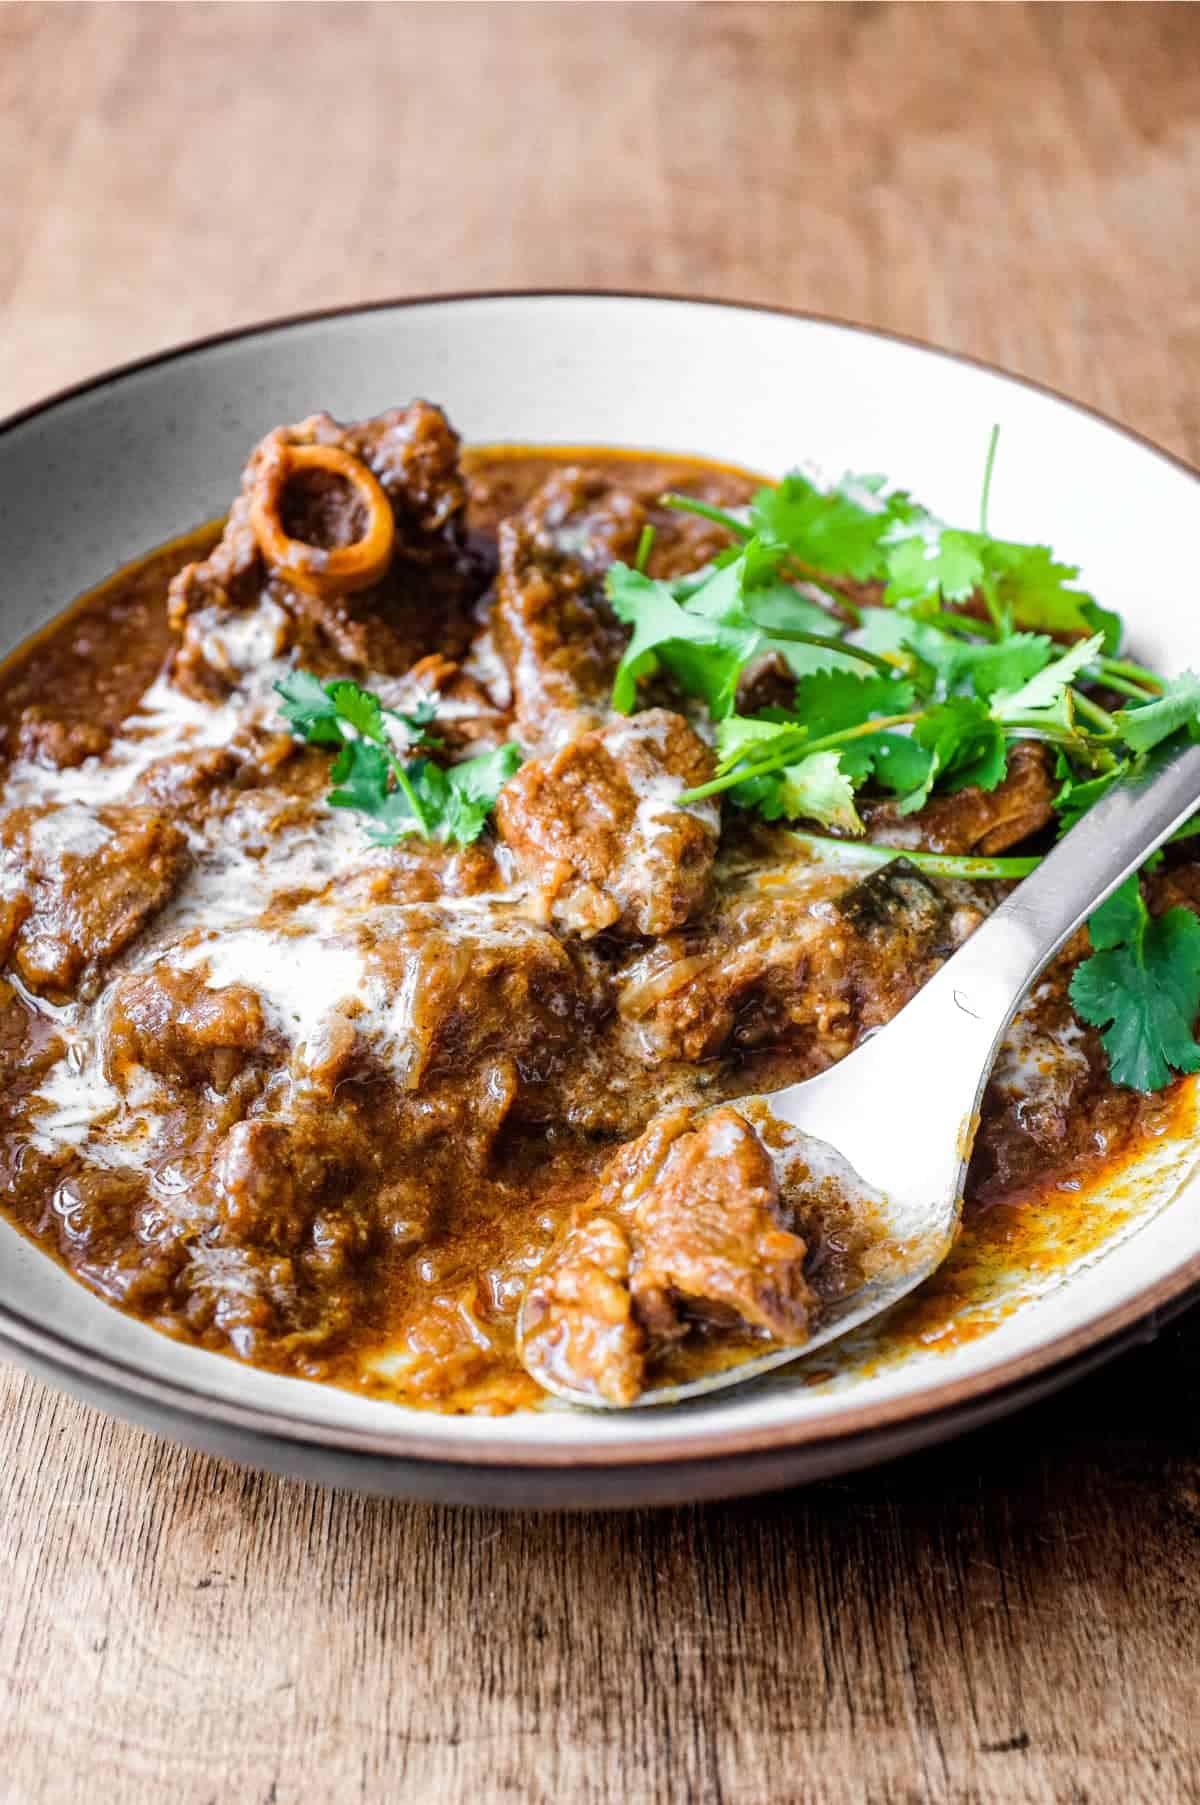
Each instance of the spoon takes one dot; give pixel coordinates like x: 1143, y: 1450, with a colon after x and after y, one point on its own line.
x: 902, y: 1109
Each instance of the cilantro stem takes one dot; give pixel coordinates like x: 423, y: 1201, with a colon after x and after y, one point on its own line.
x: 831, y: 585
x: 988, y: 467
x: 1092, y: 711
x: 1136, y: 673
x: 1092, y: 745
x: 690, y: 504
x: 1123, y: 687
x: 410, y: 795
x: 987, y: 590
x: 863, y: 728
x: 938, y: 864
x: 775, y: 762
x: 968, y: 624
x: 886, y: 666
x: 643, y: 549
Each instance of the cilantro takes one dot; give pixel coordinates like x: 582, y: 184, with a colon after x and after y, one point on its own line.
x: 459, y: 798
x: 1105, y: 621
x: 1045, y: 689
x: 319, y: 712
x: 966, y: 643
x: 839, y: 699
x: 814, y: 788
x: 965, y: 746
x: 1076, y: 797
x: 921, y: 571
x: 1141, y: 987
x: 746, y: 738
x: 1033, y: 588
x: 894, y: 762
x: 1178, y: 706
x: 828, y: 529
x: 705, y: 656
x: 369, y: 776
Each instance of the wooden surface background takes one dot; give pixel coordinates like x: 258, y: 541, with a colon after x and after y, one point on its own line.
x: 1012, y: 1618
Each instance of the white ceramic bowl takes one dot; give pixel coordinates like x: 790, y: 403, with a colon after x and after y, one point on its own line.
x: 98, y: 475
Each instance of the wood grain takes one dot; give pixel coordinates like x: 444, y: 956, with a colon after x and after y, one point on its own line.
x: 1010, y: 1619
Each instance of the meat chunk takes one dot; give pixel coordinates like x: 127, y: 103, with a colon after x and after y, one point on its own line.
x: 709, y: 1235
x: 233, y: 609
x: 170, y: 1023
x: 800, y: 957
x: 80, y: 884
x: 461, y: 990
x: 580, y: 1331
x: 974, y: 820
x: 268, y: 1178
x: 597, y: 829
x: 44, y: 738
x: 686, y: 1224
x: 552, y: 625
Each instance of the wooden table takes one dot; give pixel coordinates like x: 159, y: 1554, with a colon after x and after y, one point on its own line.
x: 1011, y: 1618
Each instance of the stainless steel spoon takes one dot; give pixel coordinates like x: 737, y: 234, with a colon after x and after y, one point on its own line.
x: 903, y: 1108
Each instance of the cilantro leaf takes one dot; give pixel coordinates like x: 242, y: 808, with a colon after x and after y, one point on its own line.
x: 704, y: 655
x: 815, y: 788
x: 922, y: 571
x: 896, y: 761
x: 1034, y: 588
x: 1106, y: 621
x: 834, y: 700
x: 362, y: 775
x: 1077, y: 796
x: 742, y: 737
x: 1047, y: 687
x: 358, y: 708
x: 1141, y: 988
x: 473, y: 788
x: 1004, y: 667
x: 826, y: 528
x: 367, y: 774
x: 308, y: 708
x: 455, y: 799
x: 1145, y: 726
x: 965, y: 746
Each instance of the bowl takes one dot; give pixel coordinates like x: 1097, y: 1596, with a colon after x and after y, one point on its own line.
x: 102, y: 473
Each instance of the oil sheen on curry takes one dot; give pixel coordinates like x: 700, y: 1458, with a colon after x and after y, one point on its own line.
x: 340, y: 1108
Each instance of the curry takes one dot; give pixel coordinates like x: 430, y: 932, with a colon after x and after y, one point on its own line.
x: 341, y: 1102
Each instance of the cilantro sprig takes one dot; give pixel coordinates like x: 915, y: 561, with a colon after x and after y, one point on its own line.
x: 1141, y: 988
x: 921, y: 652
x: 400, y: 797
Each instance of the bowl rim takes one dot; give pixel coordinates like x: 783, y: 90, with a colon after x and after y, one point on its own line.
x: 1108, y: 1332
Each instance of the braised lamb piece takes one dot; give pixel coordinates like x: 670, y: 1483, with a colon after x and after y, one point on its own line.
x: 686, y: 1223
x: 233, y: 608
x: 597, y: 828
x: 77, y: 885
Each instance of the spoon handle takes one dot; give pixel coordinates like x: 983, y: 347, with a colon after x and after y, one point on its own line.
x: 1005, y: 954
x: 924, y: 1073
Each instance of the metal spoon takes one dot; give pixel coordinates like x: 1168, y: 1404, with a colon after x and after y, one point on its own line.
x: 903, y: 1108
